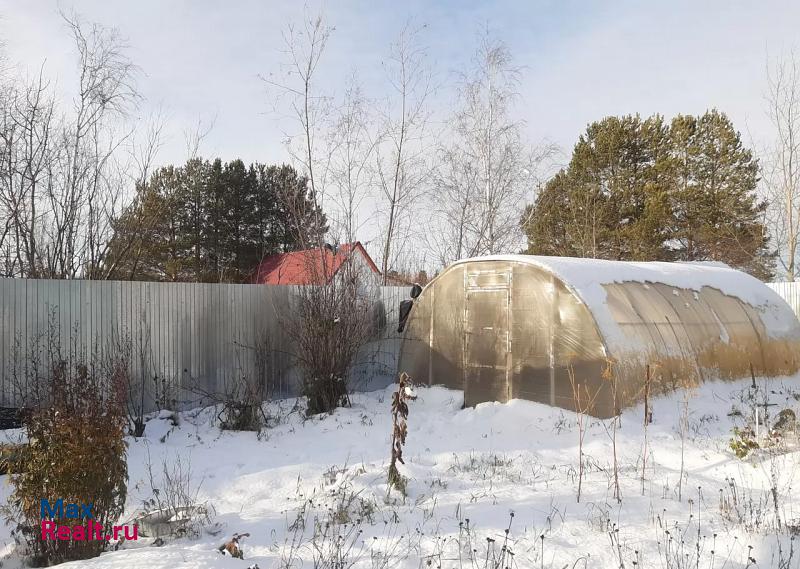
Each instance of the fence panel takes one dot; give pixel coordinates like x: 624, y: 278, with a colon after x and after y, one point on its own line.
x: 790, y: 292
x: 184, y: 339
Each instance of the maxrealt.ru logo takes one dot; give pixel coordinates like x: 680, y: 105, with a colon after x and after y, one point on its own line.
x: 92, y: 530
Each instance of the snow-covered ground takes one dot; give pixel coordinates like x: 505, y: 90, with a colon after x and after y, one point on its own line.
x: 469, y: 470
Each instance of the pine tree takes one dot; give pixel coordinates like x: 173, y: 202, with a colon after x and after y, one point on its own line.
x: 146, y: 242
x: 644, y: 190
x: 717, y: 213
x: 610, y: 202
x: 211, y: 222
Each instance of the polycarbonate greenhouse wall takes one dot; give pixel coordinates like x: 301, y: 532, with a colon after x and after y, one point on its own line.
x: 538, y: 328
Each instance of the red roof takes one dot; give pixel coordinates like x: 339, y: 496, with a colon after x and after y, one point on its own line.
x: 307, y: 266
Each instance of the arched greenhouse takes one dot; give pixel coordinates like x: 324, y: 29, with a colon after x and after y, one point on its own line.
x: 544, y: 328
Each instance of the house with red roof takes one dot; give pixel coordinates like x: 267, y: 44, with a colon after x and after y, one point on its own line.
x: 315, y: 266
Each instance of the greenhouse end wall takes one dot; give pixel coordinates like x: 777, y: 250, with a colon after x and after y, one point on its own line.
x: 500, y: 330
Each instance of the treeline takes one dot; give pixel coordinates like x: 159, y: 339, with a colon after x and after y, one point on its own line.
x: 209, y: 221
x: 63, y: 165
x: 648, y: 189
x: 80, y: 198
x: 672, y: 189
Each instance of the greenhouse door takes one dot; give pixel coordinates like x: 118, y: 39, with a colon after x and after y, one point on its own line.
x: 486, y: 336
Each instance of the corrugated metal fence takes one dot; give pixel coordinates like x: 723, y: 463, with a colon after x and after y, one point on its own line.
x: 182, y: 339
x: 790, y: 292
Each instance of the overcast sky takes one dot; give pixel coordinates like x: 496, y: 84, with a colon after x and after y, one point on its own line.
x: 582, y: 60
x: 200, y: 61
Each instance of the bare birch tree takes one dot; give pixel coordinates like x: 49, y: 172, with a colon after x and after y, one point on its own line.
x: 194, y: 137
x: 329, y: 320
x: 142, y: 156
x: 782, y: 167
x: 28, y: 153
x: 402, y: 165
x: 60, y: 178
x: 487, y: 170
x: 307, y: 110
x: 89, y: 196
x: 352, y: 149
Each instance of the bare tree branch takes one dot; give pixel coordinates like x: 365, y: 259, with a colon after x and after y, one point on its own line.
x: 782, y: 166
x: 487, y: 170
x: 402, y: 164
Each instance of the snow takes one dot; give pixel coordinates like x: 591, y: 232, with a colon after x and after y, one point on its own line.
x: 587, y: 278
x: 477, y: 464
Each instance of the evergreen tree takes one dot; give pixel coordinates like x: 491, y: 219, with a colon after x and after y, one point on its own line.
x: 211, y: 222
x: 610, y: 203
x: 718, y: 216
x: 644, y: 190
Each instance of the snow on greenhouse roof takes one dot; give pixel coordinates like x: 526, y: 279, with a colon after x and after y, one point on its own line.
x: 587, y: 277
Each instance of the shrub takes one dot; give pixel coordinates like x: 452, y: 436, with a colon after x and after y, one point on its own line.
x: 244, y: 414
x: 743, y: 442
x: 242, y: 406
x: 786, y: 421
x: 329, y: 326
x: 10, y: 456
x: 175, y: 509
x: 76, y: 452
